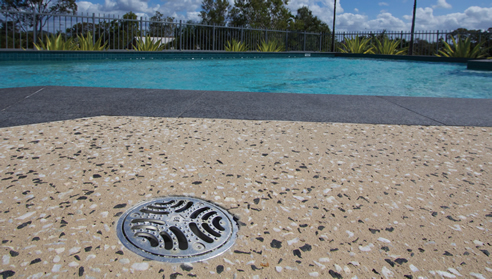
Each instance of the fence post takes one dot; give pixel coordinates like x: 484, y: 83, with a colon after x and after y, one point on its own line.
x: 242, y: 33
x: 93, y: 28
x: 320, y: 42
x: 180, y: 35
x: 401, y: 40
x: 286, y: 39
x: 437, y: 42
x: 141, y: 27
x: 266, y: 36
x: 305, y: 36
x: 35, y: 33
x: 213, y: 38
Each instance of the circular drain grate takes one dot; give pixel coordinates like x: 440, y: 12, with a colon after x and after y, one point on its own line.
x: 177, y: 229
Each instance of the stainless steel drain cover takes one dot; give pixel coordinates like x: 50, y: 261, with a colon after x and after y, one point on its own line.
x: 177, y: 229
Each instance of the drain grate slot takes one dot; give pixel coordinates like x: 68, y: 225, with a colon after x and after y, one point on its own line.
x: 150, y: 211
x: 143, y: 227
x: 151, y: 238
x: 177, y: 229
x: 194, y: 228
x: 186, y: 207
x: 210, y: 230
x: 182, y: 241
x: 168, y: 241
x: 178, y: 204
x: 216, y: 223
x: 198, y: 212
x: 207, y: 215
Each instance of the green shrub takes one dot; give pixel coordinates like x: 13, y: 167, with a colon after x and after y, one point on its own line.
x: 149, y: 45
x: 388, y: 47
x: 56, y: 43
x: 271, y: 46
x: 356, y: 45
x: 87, y: 43
x: 236, y: 46
x: 462, y: 48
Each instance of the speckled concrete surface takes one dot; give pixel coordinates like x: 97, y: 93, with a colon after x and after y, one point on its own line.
x: 313, y: 199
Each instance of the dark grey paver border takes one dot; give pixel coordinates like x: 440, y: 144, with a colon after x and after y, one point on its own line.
x: 29, y: 105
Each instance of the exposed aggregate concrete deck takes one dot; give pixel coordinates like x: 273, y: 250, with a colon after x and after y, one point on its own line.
x: 327, y: 200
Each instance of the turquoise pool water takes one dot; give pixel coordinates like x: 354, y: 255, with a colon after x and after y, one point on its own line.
x: 290, y: 75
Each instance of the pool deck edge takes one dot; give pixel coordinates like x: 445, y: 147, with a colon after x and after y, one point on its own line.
x: 30, y: 105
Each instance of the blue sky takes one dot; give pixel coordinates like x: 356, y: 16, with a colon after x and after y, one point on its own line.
x: 352, y: 15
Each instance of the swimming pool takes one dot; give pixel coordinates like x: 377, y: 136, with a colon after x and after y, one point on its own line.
x: 316, y: 75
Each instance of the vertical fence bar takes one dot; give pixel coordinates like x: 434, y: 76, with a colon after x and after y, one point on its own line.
x: 180, y: 36
x: 141, y: 27
x: 35, y: 30
x: 213, y: 37
x: 6, y: 33
x: 118, y: 25
x: 437, y: 42
x: 286, y: 40
x: 93, y: 28
x: 304, y: 46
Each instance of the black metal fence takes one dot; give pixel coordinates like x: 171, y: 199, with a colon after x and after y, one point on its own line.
x: 425, y: 42
x: 20, y: 30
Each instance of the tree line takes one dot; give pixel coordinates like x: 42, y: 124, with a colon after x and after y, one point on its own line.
x: 261, y: 14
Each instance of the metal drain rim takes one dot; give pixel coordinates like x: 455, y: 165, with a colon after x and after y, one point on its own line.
x: 226, y: 242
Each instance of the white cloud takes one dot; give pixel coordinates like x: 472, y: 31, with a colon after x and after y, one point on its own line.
x: 383, y: 4
x: 356, y: 10
x: 179, y: 9
x: 320, y: 8
x: 442, y: 4
x: 118, y: 7
x: 472, y: 18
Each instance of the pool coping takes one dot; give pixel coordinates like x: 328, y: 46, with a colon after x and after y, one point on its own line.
x: 30, y: 55
x: 13, y: 55
x: 30, y: 105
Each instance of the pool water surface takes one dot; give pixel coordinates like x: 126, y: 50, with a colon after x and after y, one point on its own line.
x: 344, y: 76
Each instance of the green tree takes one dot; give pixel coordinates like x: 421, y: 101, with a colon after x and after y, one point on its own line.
x: 161, y: 26
x: 271, y: 14
x: 129, y: 29
x: 118, y: 33
x: 12, y: 37
x: 187, y: 36
x: 28, y: 20
x: 215, y: 12
x: 81, y: 28
x: 476, y: 36
x: 306, y: 21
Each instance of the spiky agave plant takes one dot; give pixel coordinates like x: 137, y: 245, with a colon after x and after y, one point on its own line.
x: 271, y: 46
x: 389, y: 47
x: 147, y: 44
x: 236, y: 46
x: 56, y: 43
x: 356, y: 45
x: 462, y: 48
x: 87, y: 43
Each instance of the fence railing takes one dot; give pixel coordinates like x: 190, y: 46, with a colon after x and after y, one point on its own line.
x: 20, y: 30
